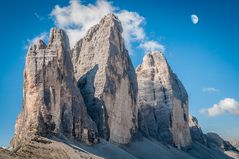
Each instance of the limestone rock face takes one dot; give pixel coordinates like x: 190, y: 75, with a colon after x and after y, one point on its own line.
x: 52, y: 103
x: 107, y: 80
x: 163, y: 102
x: 196, y: 131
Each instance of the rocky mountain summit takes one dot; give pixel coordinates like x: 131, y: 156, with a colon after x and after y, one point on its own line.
x: 89, y: 102
x: 107, y: 80
x: 52, y: 103
x: 163, y: 102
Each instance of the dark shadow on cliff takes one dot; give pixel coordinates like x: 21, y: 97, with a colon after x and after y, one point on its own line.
x: 155, y: 121
x: 144, y: 148
x: 95, y: 106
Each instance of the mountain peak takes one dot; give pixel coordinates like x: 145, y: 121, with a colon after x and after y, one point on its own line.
x: 107, y: 80
x: 109, y: 21
x: 151, y: 57
x: 110, y: 16
x: 58, y: 37
x: 39, y: 44
x: 160, y: 94
x: 112, y: 19
x: 52, y: 102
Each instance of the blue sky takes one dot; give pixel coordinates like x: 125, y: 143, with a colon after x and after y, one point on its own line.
x: 205, y: 56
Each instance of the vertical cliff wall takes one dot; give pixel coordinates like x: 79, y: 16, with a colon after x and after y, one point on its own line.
x: 107, y: 80
x: 163, y: 102
x: 52, y: 103
x: 196, y: 131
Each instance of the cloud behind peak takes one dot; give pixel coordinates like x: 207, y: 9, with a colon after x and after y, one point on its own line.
x: 77, y: 18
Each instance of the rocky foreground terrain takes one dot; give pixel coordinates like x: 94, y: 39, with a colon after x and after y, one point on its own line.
x: 89, y: 102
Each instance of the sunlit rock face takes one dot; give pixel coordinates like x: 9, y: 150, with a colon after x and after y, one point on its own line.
x: 162, y: 102
x: 107, y: 80
x: 52, y: 102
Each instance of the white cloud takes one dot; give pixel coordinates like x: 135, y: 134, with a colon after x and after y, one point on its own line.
x: 227, y: 105
x: 132, y: 27
x: 210, y: 90
x: 77, y: 18
x: 43, y: 36
x: 149, y: 46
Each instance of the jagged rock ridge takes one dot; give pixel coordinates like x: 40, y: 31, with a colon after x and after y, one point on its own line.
x: 52, y: 103
x: 196, y: 131
x: 107, y: 80
x: 214, y: 140
x: 211, y: 140
x: 163, y: 102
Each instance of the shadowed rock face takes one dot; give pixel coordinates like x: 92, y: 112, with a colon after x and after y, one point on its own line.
x: 215, y: 141
x: 211, y: 140
x: 52, y: 103
x: 107, y: 80
x: 235, y: 143
x: 196, y: 131
x: 163, y: 102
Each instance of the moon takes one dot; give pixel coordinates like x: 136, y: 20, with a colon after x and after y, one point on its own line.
x: 194, y: 18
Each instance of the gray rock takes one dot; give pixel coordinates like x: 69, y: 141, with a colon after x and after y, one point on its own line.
x: 37, y: 147
x: 163, y: 102
x: 215, y: 141
x: 52, y: 103
x: 235, y: 143
x: 196, y: 131
x: 107, y: 80
x: 45, y: 148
